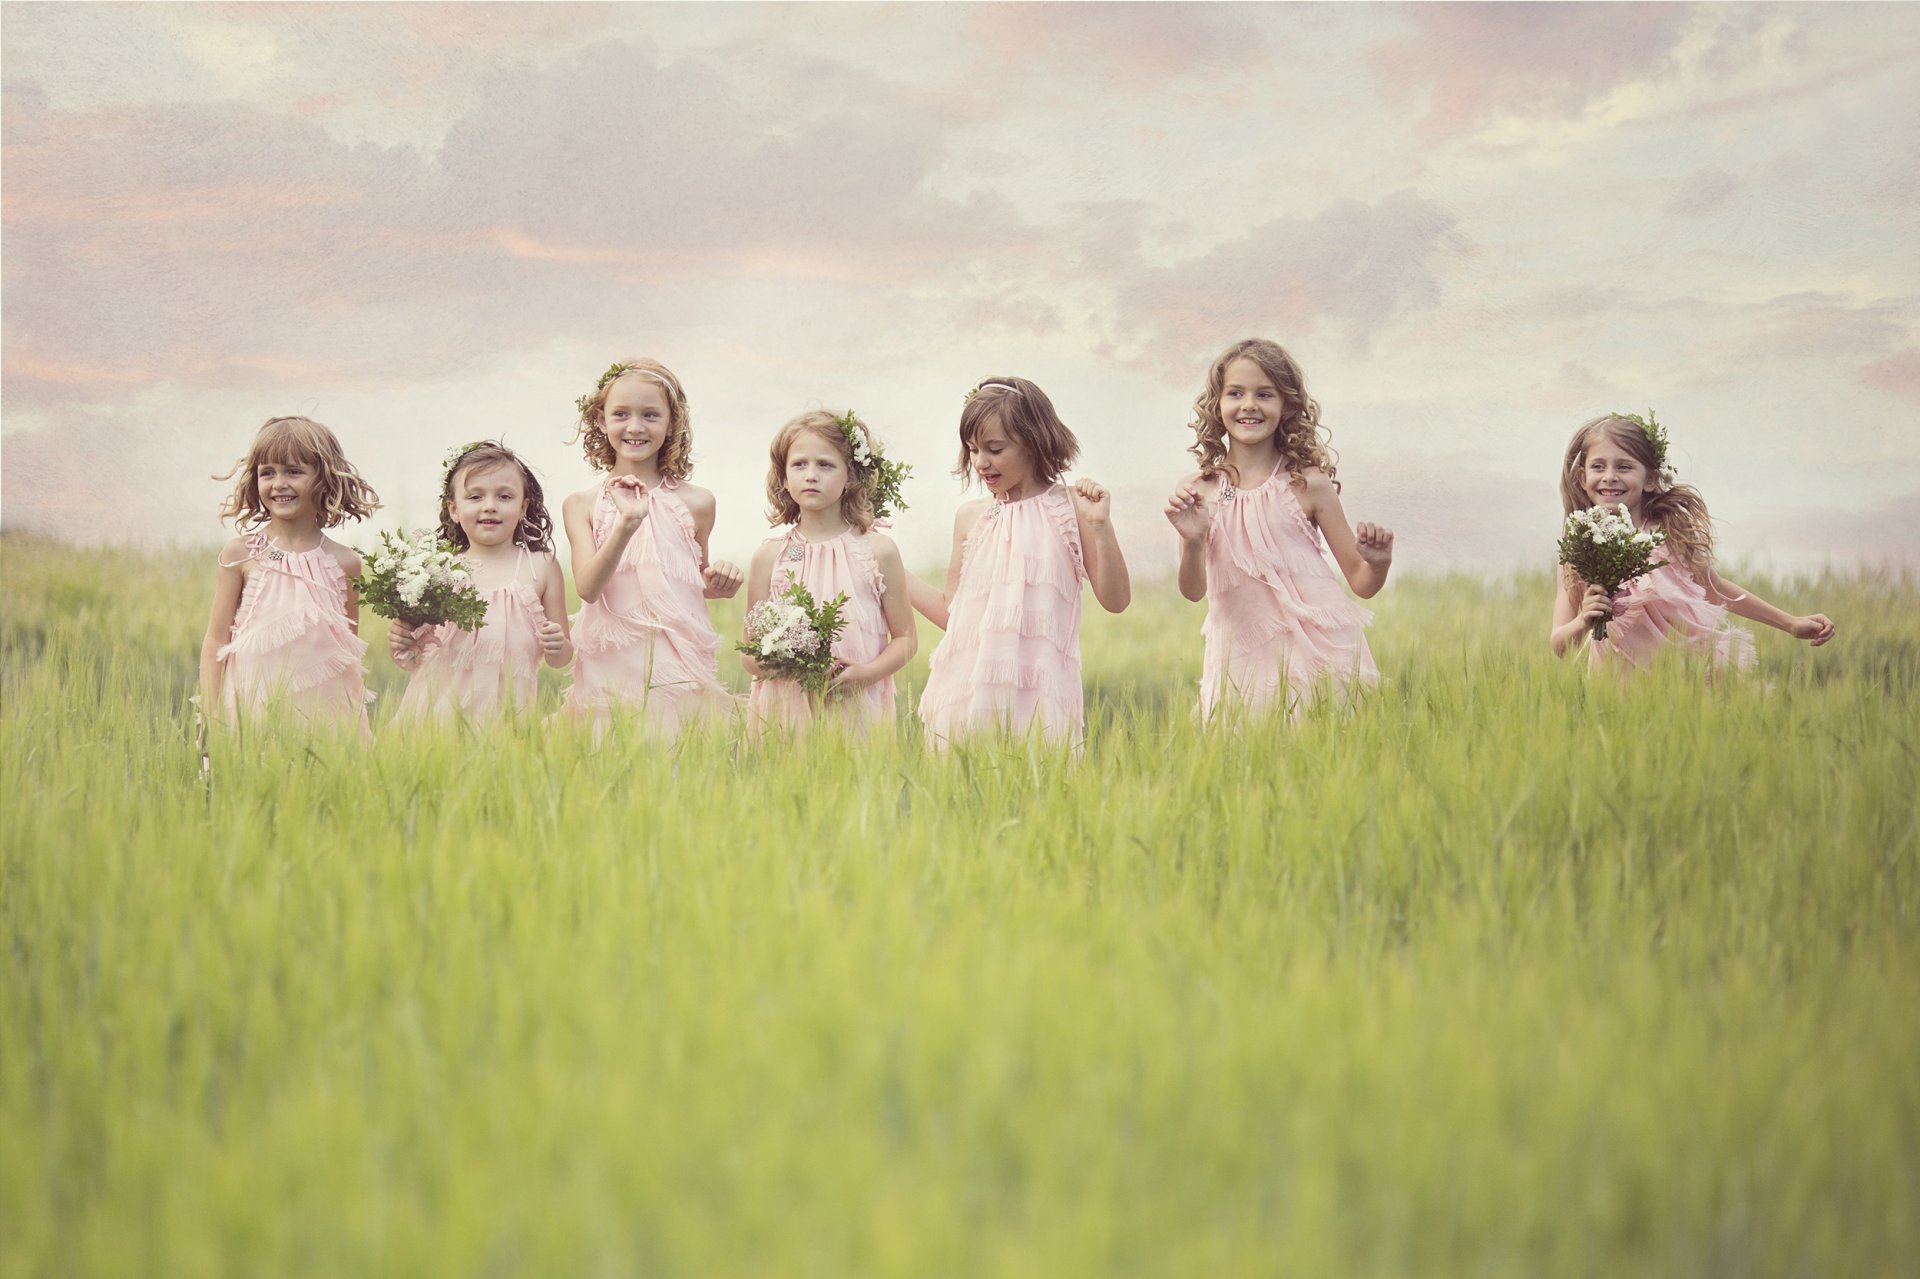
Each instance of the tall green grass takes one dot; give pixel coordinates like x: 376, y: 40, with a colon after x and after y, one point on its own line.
x: 1510, y: 971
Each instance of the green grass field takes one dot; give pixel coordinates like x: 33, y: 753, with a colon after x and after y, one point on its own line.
x: 1511, y: 972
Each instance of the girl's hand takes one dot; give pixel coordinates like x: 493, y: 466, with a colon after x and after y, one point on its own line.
x: 1816, y: 628
x: 1375, y: 543
x: 1094, y: 503
x: 406, y: 643
x: 553, y: 640
x: 723, y: 580
x: 1595, y: 605
x: 631, y: 501
x: 1189, y: 514
x: 849, y: 679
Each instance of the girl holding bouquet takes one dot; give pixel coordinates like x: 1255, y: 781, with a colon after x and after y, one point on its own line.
x: 285, y: 624
x: 1010, y: 660
x: 643, y: 640
x: 1254, y: 522
x: 1621, y: 460
x: 491, y: 507
x: 828, y: 482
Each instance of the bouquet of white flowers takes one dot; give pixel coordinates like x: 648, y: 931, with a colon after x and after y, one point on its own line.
x: 1606, y: 549
x: 421, y: 581
x: 792, y: 637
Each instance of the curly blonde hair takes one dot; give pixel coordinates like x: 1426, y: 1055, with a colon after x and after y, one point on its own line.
x: 535, y: 531
x: 1027, y: 416
x: 282, y: 441
x: 676, y: 454
x: 856, y: 500
x: 1678, y: 510
x: 1302, y: 441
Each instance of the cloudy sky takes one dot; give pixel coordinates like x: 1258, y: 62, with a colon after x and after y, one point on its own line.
x: 1475, y: 226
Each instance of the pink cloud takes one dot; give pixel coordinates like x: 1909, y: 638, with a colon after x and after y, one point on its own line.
x: 1898, y: 374
x: 1124, y: 47
x: 1472, y: 62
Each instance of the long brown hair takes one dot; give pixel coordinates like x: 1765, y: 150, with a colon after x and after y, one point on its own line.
x: 1678, y: 511
x: 1028, y: 416
x: 856, y: 501
x: 676, y: 454
x: 342, y: 494
x: 535, y: 530
x: 1301, y: 440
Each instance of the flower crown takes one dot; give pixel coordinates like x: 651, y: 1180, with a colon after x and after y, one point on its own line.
x: 871, y: 467
x: 1657, y: 440
x: 451, y: 462
x: 585, y: 402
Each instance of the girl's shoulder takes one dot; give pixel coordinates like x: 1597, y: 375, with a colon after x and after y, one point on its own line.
x: 345, y: 556
x: 237, y: 554
x: 697, y: 500
x: 882, y: 548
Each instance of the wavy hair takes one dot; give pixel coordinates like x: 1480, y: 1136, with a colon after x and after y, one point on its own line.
x: 676, y: 454
x: 1028, y: 416
x: 1301, y: 439
x: 535, y: 530
x: 1679, y: 511
x: 342, y: 494
x: 856, y: 500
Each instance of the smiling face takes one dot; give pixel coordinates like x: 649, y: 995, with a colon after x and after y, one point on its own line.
x: 488, y: 503
x: 1250, y: 404
x: 816, y: 475
x: 1611, y: 474
x: 288, y: 490
x: 1003, y: 464
x: 637, y: 421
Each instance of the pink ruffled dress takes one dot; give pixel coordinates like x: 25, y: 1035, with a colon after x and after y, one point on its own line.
x: 1279, y: 621
x: 1010, y: 659
x: 647, y: 644
x: 485, y: 673
x: 840, y: 564
x: 292, y: 643
x: 1668, y: 606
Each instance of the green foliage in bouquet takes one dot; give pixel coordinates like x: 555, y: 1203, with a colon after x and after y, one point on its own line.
x: 420, y: 581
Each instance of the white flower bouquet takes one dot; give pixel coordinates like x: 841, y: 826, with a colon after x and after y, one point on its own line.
x: 792, y: 637
x: 1606, y: 550
x: 421, y: 581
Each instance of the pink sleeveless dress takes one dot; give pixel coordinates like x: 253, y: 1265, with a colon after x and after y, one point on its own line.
x: 1010, y: 659
x: 483, y: 673
x: 841, y: 564
x: 647, y: 644
x: 1279, y: 622
x: 292, y: 643
x: 1668, y: 606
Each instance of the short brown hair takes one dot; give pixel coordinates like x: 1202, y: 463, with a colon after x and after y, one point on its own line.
x: 676, y: 454
x: 856, y: 502
x: 535, y: 531
x: 343, y: 494
x: 1026, y: 414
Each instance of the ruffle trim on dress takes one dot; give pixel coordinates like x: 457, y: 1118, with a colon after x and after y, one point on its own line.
x: 1292, y: 616
x: 257, y: 638
x: 597, y: 631
x: 862, y: 555
x: 1013, y: 618
x: 330, y: 668
x: 1060, y: 507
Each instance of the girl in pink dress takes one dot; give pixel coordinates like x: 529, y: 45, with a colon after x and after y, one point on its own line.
x: 828, y: 482
x: 1254, y: 523
x: 1010, y: 659
x: 491, y: 507
x: 642, y: 640
x: 285, y: 620
x: 1621, y: 459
